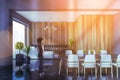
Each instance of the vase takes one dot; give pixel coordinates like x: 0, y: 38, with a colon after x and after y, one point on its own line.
x: 27, y: 60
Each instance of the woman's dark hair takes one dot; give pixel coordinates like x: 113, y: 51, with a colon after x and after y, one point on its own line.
x: 39, y: 40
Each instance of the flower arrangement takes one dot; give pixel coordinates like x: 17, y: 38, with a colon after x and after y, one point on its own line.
x: 27, y: 49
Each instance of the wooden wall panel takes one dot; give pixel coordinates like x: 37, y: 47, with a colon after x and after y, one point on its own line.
x: 88, y: 32
x: 59, y: 36
x: 94, y: 32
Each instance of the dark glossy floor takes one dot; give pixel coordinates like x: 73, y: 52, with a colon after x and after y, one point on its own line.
x: 31, y: 72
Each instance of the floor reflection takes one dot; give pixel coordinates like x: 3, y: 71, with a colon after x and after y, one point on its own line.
x: 31, y: 72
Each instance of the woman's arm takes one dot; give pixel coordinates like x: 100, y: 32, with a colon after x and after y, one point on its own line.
x: 43, y: 47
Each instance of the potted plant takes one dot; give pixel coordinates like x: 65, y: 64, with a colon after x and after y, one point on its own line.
x: 84, y: 51
x: 27, y: 51
x: 91, y: 51
x: 70, y: 43
x: 99, y: 51
x: 19, y: 57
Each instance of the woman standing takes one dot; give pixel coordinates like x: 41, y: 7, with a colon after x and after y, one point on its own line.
x: 40, y: 55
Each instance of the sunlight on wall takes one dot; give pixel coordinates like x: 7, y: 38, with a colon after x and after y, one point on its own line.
x: 94, y: 32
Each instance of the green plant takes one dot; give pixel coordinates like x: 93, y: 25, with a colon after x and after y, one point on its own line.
x: 99, y: 51
x: 19, y: 46
x: 70, y: 42
x: 27, y: 49
x: 91, y: 51
x: 84, y: 51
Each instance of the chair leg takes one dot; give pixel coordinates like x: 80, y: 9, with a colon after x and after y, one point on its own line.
x: 117, y: 71
x: 60, y: 65
x: 100, y: 72
x: 106, y: 70
x: 111, y: 72
x: 78, y: 71
x: 67, y: 71
x: 96, y: 72
x: 84, y: 71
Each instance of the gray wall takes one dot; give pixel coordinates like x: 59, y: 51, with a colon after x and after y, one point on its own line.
x: 5, y: 44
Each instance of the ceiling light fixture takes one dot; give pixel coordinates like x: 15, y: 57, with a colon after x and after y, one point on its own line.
x: 49, y: 26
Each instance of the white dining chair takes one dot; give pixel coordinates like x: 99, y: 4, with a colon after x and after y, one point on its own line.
x: 80, y: 53
x: 48, y: 54
x: 117, y: 64
x: 72, y: 62
x: 68, y: 52
x: 33, y: 52
x: 105, y: 62
x: 103, y: 52
x: 90, y: 62
x: 48, y: 60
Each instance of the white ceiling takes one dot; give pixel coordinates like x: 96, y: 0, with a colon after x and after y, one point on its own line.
x: 59, y: 16
x: 112, y: 7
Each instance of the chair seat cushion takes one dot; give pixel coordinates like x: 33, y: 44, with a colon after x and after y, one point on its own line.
x: 105, y: 65
x: 115, y: 64
x: 72, y: 65
x: 89, y: 65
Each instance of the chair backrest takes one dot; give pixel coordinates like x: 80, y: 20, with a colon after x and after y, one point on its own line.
x: 91, y: 52
x: 48, y: 54
x: 73, y: 58
x: 33, y: 52
x: 68, y: 52
x: 118, y: 58
x: 73, y: 61
x: 69, y: 78
x: 103, y: 52
x: 80, y: 53
x: 106, y: 58
x: 90, y: 59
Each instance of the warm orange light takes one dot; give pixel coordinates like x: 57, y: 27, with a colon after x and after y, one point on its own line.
x: 71, y: 4
x: 94, y: 4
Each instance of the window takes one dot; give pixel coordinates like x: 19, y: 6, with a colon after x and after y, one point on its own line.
x: 18, y: 35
